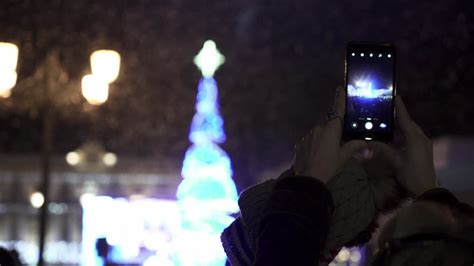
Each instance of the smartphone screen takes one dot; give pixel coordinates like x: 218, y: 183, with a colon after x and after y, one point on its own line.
x: 370, y: 87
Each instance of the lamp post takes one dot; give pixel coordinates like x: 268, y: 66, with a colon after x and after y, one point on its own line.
x: 51, y: 76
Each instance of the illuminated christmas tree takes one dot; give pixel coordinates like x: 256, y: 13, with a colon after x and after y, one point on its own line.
x: 207, y: 196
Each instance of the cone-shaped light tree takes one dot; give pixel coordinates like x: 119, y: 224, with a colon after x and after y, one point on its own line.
x: 207, y: 195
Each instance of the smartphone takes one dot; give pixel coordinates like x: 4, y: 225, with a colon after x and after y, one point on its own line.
x: 370, y: 91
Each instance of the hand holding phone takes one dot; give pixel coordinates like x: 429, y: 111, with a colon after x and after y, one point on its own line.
x: 370, y: 91
x: 413, y: 157
x: 321, y: 154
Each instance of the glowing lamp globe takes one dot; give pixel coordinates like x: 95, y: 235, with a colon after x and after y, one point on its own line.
x: 209, y: 59
x: 106, y: 64
x: 95, y: 89
x: 7, y: 82
x: 8, y: 56
x: 37, y: 200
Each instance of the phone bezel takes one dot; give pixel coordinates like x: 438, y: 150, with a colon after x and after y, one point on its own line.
x: 368, y: 47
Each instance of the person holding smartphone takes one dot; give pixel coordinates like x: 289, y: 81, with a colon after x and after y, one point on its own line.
x: 287, y: 221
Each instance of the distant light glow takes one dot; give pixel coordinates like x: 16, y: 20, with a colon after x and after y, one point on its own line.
x: 57, y: 208
x: 343, y: 255
x: 95, y: 89
x: 383, y: 125
x: 347, y: 256
x: 73, y: 158
x: 380, y: 55
x: 362, y: 54
x: 136, y: 197
x: 109, y: 159
x: 86, y: 198
x: 157, y: 260
x: 209, y: 59
x: 389, y: 55
x: 355, y: 256
x: 368, y: 138
x: 133, y: 229
x: 371, y: 55
x: 56, y: 252
x: 105, y: 64
x: 37, y: 200
x: 353, y: 54
x: 364, y: 88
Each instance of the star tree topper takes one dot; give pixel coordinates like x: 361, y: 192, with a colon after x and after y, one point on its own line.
x: 209, y: 59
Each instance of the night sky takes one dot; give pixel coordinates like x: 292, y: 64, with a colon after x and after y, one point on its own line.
x: 284, y: 60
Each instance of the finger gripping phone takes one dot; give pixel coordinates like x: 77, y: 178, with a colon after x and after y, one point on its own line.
x: 370, y: 91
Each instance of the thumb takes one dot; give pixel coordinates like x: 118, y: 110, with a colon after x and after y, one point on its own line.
x: 351, y: 147
x: 387, y: 152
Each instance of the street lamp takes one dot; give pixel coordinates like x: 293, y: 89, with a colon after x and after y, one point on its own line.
x: 8, y: 63
x: 9, y: 56
x: 105, y: 66
x: 7, y: 82
x: 95, y: 89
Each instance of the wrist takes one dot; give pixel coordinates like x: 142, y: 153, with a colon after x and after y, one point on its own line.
x: 316, y: 174
x: 422, y: 188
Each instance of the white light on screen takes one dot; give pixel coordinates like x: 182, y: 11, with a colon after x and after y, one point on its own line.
x: 362, y: 54
x: 389, y: 55
x: 371, y: 55
x: 360, y: 83
x: 368, y: 125
x: 353, y: 54
x: 380, y: 55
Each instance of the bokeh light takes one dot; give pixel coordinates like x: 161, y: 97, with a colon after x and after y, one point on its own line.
x: 37, y: 200
x: 95, y: 89
x: 106, y: 65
